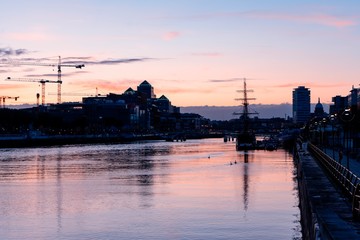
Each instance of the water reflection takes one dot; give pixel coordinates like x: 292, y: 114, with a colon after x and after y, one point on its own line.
x: 246, y: 180
x: 156, y: 189
x: 59, y: 191
x: 78, y: 162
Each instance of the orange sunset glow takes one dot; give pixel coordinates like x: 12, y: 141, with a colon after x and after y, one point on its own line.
x: 180, y: 48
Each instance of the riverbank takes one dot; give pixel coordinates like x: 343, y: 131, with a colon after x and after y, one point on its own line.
x: 325, y: 212
x: 14, y: 141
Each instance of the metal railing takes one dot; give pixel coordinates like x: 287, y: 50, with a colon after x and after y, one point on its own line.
x: 347, y: 180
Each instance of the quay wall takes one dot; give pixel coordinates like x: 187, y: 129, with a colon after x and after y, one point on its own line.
x: 325, y: 212
x: 309, y: 219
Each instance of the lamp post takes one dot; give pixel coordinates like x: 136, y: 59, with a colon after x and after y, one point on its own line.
x: 347, y: 116
x: 321, y: 135
x: 323, y: 123
x: 316, y: 135
x: 332, y: 121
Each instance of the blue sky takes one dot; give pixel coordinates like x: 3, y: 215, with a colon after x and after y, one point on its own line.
x: 180, y: 47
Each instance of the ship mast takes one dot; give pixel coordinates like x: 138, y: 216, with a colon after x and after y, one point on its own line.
x: 245, y: 99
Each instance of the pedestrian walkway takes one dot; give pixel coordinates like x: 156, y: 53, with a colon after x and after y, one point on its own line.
x: 354, y: 164
x: 326, y: 214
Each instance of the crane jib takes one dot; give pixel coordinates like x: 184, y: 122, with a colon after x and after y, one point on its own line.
x: 43, y: 81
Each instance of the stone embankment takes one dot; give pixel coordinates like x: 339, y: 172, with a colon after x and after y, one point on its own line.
x: 326, y: 213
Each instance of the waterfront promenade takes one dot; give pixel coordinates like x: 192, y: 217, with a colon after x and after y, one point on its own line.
x: 354, y: 164
x: 326, y: 212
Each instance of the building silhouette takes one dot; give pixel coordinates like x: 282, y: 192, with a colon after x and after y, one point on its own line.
x: 146, y: 89
x: 137, y: 109
x: 353, y: 97
x: 319, y: 110
x: 301, y: 105
x: 339, y: 104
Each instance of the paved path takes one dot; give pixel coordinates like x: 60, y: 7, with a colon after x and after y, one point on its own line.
x: 331, y: 210
x: 354, y: 164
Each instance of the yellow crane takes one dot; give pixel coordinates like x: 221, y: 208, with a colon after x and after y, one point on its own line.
x: 58, y: 65
x: 3, y: 98
x: 42, y: 81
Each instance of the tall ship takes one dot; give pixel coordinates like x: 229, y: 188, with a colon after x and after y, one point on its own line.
x: 245, y: 139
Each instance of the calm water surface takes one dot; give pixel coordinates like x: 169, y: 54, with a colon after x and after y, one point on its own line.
x: 148, y: 190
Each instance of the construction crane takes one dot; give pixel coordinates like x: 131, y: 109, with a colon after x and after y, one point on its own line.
x: 79, y: 94
x: 42, y: 81
x: 97, y: 94
x: 58, y: 65
x: 3, y: 98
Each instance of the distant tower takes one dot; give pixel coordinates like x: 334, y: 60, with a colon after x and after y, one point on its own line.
x: 301, y: 105
x: 319, y: 109
x: 146, y: 89
x: 37, y: 99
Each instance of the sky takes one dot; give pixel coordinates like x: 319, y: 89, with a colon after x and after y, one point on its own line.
x: 195, y: 52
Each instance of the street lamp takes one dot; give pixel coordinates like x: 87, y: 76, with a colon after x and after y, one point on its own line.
x: 347, y: 116
x: 332, y: 121
x: 316, y: 135
x: 323, y: 123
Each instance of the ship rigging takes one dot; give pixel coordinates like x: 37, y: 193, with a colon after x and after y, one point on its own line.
x: 245, y: 139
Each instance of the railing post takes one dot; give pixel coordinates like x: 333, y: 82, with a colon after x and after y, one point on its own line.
x: 356, y: 203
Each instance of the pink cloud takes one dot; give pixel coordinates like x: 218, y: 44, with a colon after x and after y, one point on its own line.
x: 103, y: 86
x: 208, y: 54
x: 316, y: 18
x: 186, y: 90
x: 310, y: 85
x: 321, y: 19
x: 11, y: 86
x: 332, y: 20
x: 170, y: 36
x: 27, y: 36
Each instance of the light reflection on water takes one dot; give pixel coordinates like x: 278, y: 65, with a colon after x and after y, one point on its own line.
x: 148, y: 190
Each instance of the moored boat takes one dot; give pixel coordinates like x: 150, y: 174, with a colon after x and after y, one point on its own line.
x: 245, y: 139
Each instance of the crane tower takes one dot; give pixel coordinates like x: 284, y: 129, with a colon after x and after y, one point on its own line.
x: 58, y: 65
x: 3, y: 98
x: 42, y: 81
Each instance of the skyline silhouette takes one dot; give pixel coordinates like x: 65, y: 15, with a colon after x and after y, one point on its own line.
x: 194, y: 53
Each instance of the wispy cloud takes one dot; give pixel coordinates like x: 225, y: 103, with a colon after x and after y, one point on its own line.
x: 11, y: 86
x: 54, y: 75
x: 320, y: 18
x: 170, y: 36
x: 186, y: 90
x: 232, y: 80
x: 7, y: 52
x: 310, y: 85
x: 207, y: 54
x: 104, y: 85
x: 27, y: 36
x: 69, y: 60
x: 112, y: 61
x: 226, y: 80
x: 315, y: 18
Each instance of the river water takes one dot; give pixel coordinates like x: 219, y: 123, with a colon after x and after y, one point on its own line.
x: 148, y: 190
